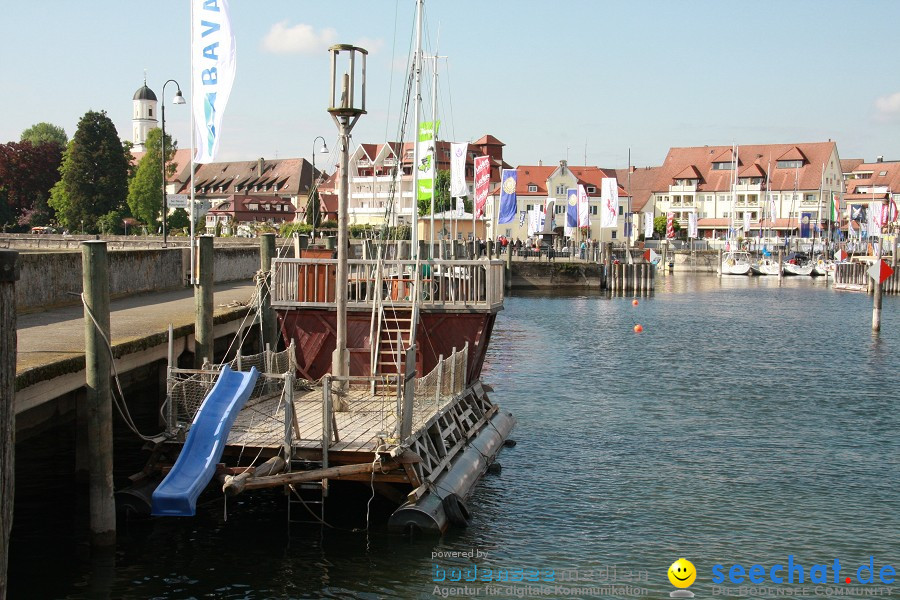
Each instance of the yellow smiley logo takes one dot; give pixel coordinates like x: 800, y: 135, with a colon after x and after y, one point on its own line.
x: 682, y: 573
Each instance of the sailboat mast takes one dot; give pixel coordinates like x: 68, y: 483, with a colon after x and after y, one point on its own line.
x: 418, y: 117
x: 434, y: 156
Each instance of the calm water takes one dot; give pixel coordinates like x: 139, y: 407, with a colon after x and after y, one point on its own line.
x: 747, y: 423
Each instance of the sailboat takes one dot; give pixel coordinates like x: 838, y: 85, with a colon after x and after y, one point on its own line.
x: 734, y: 260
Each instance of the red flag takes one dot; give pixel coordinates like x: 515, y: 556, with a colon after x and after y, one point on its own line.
x: 482, y: 183
x: 670, y: 225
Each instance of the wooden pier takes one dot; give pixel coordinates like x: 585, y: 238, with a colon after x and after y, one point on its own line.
x: 636, y: 277
x: 852, y: 276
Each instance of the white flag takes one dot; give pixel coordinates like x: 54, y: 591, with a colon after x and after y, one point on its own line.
x: 460, y: 207
x: 746, y: 223
x: 692, y: 225
x: 648, y: 226
x: 212, y: 57
x: 609, y: 195
x: 584, y: 217
x: 458, y: 170
x: 873, y: 227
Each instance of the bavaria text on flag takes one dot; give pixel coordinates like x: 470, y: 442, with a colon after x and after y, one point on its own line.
x: 507, y: 211
x: 670, y: 225
x: 692, y: 225
x: 426, y: 140
x: 648, y: 226
x: 212, y: 57
x: 609, y: 200
x: 482, y: 183
x: 584, y: 217
x: 458, y: 169
x: 572, y: 207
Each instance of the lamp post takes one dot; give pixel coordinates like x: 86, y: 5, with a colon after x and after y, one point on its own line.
x: 312, y: 192
x: 179, y: 99
x: 345, y: 112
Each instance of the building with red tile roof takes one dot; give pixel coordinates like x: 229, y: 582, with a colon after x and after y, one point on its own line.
x: 795, y: 178
x: 871, y: 182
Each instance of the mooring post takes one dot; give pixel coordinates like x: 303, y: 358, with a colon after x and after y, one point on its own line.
x: 9, y: 274
x: 509, y: 266
x: 876, y: 302
x: 719, y: 270
x: 203, y: 302
x: 269, y: 324
x: 95, y: 278
x: 780, y: 263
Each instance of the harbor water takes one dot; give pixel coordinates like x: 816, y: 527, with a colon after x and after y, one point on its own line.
x: 752, y: 421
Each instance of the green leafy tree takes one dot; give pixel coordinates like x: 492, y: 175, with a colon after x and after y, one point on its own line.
x: 45, y: 133
x: 93, y: 176
x: 178, y: 220
x: 442, y: 200
x: 313, y: 212
x: 27, y: 174
x: 659, y: 226
x: 145, y: 196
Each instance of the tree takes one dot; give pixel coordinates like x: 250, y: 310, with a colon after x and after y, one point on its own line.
x: 45, y: 133
x: 93, y: 176
x: 442, y: 200
x: 27, y: 174
x: 313, y: 213
x: 178, y: 220
x: 145, y: 196
x: 659, y: 226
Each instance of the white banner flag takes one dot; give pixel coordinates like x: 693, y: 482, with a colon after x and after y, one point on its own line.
x: 212, y: 58
x: 746, y: 222
x: 458, y: 170
x: 584, y: 216
x: 460, y: 207
x: 873, y: 227
x: 609, y: 195
x: 648, y: 226
x: 534, y: 221
x: 692, y: 225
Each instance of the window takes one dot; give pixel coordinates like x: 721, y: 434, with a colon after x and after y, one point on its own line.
x: 775, y: 197
x: 790, y: 164
x: 151, y: 112
x: 709, y: 198
x: 529, y: 206
x: 253, y: 206
x: 620, y: 211
x: 724, y: 165
x: 593, y: 210
x: 591, y: 189
x: 559, y: 209
x: 882, y: 173
x: 560, y: 190
x: 613, y: 235
x: 810, y: 198
x: 532, y: 187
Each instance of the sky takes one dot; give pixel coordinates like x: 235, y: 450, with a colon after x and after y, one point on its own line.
x: 583, y: 81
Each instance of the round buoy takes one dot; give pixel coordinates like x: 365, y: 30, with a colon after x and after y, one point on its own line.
x: 638, y: 328
x: 634, y: 302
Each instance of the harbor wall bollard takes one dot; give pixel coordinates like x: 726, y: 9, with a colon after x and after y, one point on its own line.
x: 95, y: 275
x: 203, y: 302
x: 9, y: 273
x: 269, y: 323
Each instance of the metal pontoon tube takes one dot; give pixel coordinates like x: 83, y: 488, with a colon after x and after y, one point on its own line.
x: 428, y: 514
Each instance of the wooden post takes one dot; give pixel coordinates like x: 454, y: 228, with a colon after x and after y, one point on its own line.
x: 9, y: 274
x: 876, y: 303
x: 508, y: 273
x: 203, y: 302
x: 95, y: 277
x: 719, y: 270
x: 780, y: 263
x: 269, y: 324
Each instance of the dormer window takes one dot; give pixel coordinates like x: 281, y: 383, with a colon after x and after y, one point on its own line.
x: 532, y: 187
x: 253, y: 206
x: 725, y: 165
x: 790, y: 164
x: 591, y: 189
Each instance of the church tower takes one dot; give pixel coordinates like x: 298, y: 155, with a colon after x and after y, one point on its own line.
x: 144, y: 117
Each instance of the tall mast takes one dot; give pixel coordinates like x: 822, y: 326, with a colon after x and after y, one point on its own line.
x: 434, y: 156
x: 418, y: 104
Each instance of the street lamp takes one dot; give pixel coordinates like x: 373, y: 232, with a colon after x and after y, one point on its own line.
x: 312, y: 192
x: 179, y: 99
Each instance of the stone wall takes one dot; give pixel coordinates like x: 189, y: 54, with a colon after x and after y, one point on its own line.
x: 51, y: 279
x: 534, y: 274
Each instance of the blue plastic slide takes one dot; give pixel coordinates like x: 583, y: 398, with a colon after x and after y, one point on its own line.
x: 177, y: 495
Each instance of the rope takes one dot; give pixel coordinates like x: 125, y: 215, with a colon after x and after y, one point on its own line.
x: 120, y: 403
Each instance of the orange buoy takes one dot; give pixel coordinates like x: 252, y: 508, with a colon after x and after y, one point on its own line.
x: 638, y: 328
x: 634, y: 302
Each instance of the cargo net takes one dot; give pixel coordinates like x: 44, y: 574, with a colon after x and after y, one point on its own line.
x: 189, y: 387
x: 435, y: 390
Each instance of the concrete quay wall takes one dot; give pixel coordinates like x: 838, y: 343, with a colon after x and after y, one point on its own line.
x: 52, y: 279
x: 534, y: 275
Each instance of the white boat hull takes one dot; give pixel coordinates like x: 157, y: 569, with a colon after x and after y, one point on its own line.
x: 767, y: 267
x: 802, y: 270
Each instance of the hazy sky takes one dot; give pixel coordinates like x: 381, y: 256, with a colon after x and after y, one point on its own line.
x: 547, y: 78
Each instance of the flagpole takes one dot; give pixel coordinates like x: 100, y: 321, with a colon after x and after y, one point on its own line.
x: 417, y: 105
x: 194, y: 279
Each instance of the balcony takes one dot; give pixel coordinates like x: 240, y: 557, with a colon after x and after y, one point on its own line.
x: 680, y: 189
x: 748, y: 187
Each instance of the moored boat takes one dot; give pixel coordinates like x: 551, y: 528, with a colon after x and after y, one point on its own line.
x: 736, y: 263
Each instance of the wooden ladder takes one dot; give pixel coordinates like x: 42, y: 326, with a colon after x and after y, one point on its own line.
x: 395, y: 328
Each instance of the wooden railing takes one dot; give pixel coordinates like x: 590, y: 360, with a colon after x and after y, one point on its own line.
x: 447, y: 284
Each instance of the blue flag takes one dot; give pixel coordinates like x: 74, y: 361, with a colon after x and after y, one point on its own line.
x: 572, y: 207
x: 507, y: 197
x: 805, y: 219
